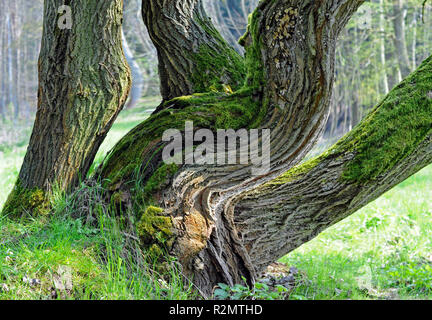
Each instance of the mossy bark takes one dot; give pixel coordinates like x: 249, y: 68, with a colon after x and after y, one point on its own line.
x: 392, y: 143
x: 193, y: 57
x: 221, y: 223
x: 84, y: 81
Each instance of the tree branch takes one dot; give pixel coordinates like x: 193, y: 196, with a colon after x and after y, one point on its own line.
x: 390, y: 145
x: 290, y: 48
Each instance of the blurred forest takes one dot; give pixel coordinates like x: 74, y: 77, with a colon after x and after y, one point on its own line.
x: 386, y: 40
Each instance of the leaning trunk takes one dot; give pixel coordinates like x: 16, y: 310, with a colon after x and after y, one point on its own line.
x: 399, y: 38
x: 83, y: 84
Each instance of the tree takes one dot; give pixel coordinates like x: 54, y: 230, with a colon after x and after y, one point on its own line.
x: 399, y: 38
x: 187, y: 43
x: 137, y: 77
x: 219, y: 221
x: 82, y: 88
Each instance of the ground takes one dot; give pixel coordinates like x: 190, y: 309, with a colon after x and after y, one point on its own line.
x: 381, y: 252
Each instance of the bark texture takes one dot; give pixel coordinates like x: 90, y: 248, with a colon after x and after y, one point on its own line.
x: 193, y: 57
x: 221, y: 222
x: 82, y: 88
x: 390, y: 145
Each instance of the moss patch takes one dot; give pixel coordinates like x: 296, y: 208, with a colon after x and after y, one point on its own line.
x: 241, y: 109
x: 155, y: 229
x: 159, y: 178
x: 297, y: 171
x: 255, y: 69
x: 216, y: 71
x: 21, y: 201
x: 239, y: 103
x: 390, y: 132
x: 393, y: 129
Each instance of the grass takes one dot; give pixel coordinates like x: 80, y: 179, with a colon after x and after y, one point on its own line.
x: 381, y: 252
x: 35, y: 253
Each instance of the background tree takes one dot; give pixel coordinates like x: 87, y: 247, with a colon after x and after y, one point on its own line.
x: 82, y: 88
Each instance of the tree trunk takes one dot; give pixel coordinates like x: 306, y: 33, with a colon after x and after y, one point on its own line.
x: 399, y: 38
x: 222, y: 222
x: 385, y: 84
x: 414, y: 40
x: 289, y: 59
x: 390, y: 145
x: 82, y: 88
x: 2, y: 64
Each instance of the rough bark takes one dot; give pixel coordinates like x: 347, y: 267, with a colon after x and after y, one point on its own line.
x: 193, y: 57
x: 220, y: 222
x: 390, y: 145
x: 84, y: 81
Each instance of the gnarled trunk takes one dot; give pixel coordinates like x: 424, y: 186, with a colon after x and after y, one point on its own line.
x: 193, y: 57
x: 392, y: 143
x: 289, y: 60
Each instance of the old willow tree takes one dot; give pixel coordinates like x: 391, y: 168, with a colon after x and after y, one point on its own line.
x: 219, y: 221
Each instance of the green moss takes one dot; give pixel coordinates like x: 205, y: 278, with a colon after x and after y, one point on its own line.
x: 297, y: 171
x: 393, y: 129
x: 215, y: 71
x: 21, y: 201
x: 154, y: 228
x: 255, y: 77
x: 244, y: 108
x: 390, y: 132
x: 241, y: 109
x: 155, y: 251
x: 159, y: 178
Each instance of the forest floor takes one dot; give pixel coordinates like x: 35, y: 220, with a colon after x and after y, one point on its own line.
x: 381, y: 252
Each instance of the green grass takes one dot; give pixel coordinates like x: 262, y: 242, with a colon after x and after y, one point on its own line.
x: 381, y: 252
x: 95, y: 256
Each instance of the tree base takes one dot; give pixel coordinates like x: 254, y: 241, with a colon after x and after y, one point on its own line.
x: 23, y: 201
